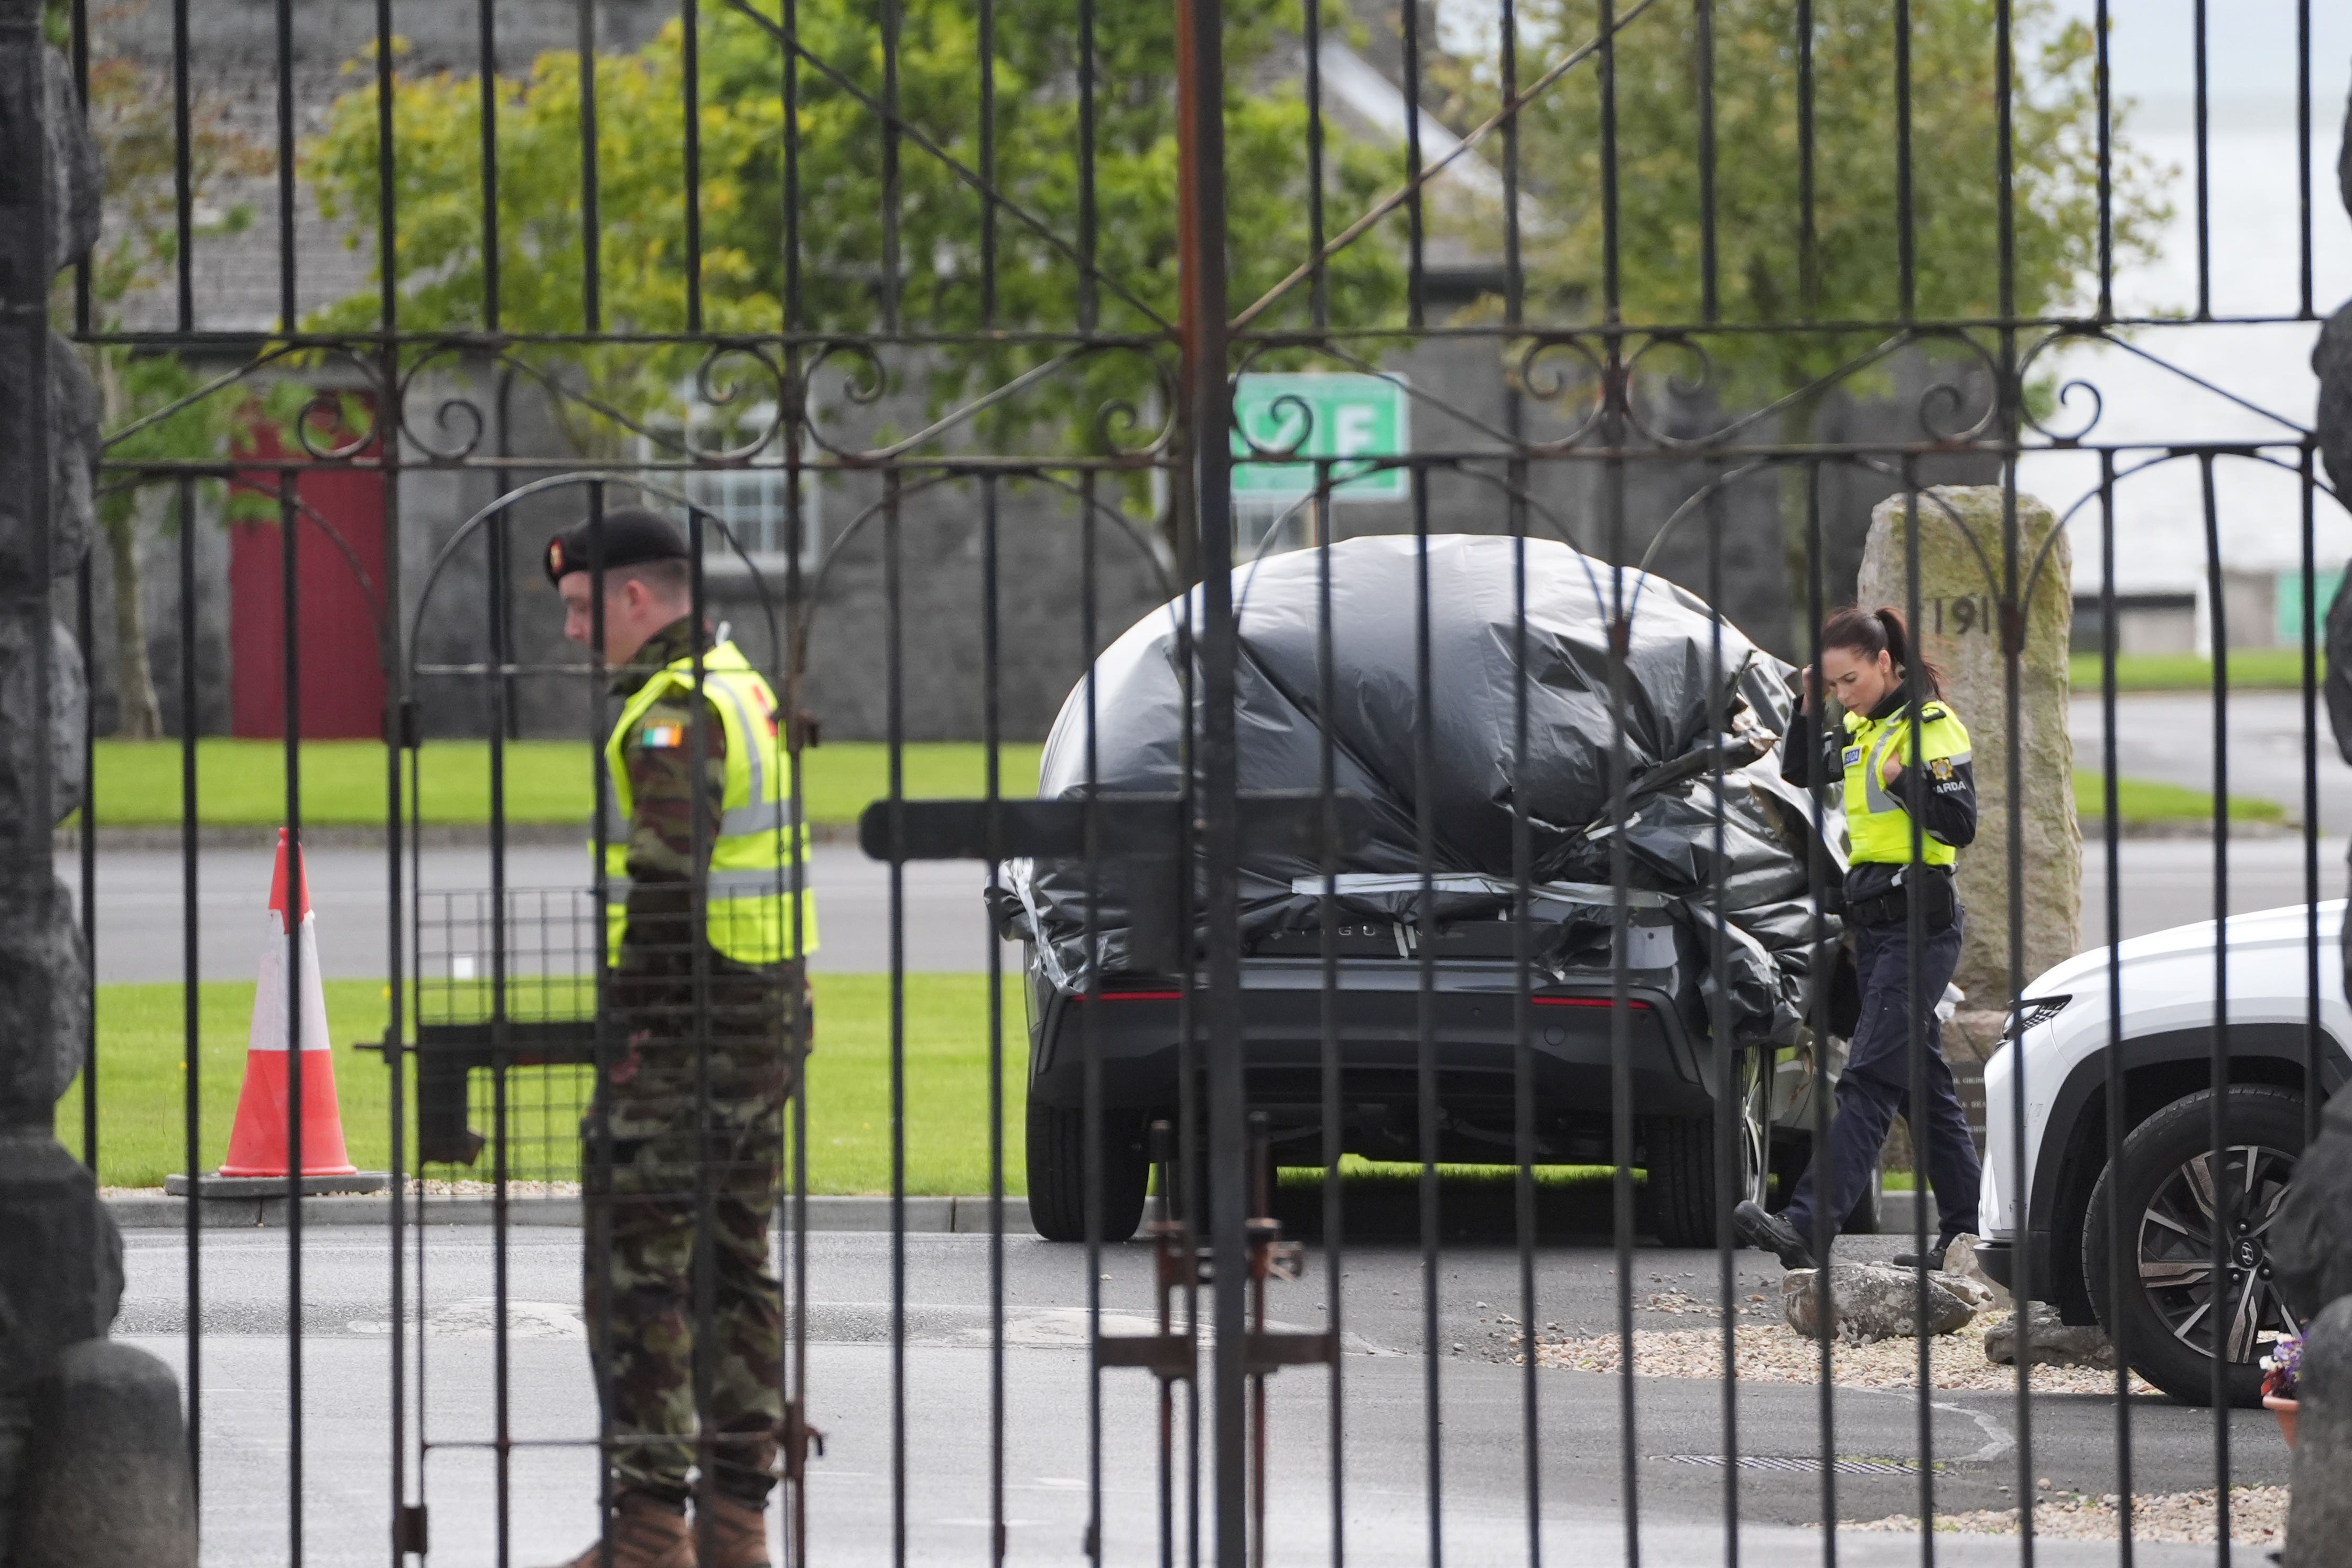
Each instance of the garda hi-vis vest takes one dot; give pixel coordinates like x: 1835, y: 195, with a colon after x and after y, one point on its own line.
x: 748, y: 900
x: 1877, y: 826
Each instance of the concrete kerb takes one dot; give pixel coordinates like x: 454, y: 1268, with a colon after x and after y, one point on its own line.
x: 927, y: 1216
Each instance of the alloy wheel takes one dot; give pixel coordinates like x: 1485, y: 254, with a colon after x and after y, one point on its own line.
x: 2176, y: 1251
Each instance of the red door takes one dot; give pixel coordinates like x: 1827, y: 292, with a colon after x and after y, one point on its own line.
x: 342, y: 685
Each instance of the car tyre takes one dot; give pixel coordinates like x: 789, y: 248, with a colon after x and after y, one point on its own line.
x: 1057, y: 1173
x: 1683, y: 1161
x: 2156, y: 1184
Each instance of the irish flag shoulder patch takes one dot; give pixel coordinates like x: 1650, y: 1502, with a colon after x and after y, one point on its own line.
x: 658, y: 736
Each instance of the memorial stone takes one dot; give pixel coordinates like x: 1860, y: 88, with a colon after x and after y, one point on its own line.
x: 1964, y: 629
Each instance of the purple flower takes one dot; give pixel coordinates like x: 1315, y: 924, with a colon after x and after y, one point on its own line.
x: 2284, y: 1361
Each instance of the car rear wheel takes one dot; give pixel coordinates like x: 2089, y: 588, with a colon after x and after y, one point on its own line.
x: 1683, y: 1157
x: 2165, y: 1193
x: 1057, y: 1173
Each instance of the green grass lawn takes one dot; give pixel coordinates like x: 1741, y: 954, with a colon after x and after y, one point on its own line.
x: 2140, y: 802
x: 241, y: 783
x: 141, y: 1103
x: 2250, y: 669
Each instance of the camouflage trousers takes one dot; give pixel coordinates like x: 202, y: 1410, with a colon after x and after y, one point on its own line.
x: 683, y: 1153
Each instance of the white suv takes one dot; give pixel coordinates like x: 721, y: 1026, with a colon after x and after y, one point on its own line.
x: 2055, y: 1224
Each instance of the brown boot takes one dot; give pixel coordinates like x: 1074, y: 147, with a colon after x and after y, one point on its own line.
x: 734, y: 1534
x: 646, y: 1533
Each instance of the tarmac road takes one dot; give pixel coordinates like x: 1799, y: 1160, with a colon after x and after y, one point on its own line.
x: 2167, y: 736
x: 2166, y: 881
x: 2160, y: 736
x: 1387, y: 1473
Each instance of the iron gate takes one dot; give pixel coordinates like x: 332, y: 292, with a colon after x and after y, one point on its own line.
x: 1662, y: 282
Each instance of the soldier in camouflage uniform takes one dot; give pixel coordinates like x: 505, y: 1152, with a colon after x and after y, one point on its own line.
x: 692, y: 1112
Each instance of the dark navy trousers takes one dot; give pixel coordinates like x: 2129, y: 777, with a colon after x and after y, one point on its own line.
x: 1876, y: 1087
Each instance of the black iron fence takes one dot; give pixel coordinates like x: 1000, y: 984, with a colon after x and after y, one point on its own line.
x: 1478, y: 410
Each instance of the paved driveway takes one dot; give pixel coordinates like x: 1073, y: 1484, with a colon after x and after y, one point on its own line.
x: 1387, y: 1470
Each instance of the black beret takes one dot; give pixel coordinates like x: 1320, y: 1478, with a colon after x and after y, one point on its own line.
x: 629, y: 536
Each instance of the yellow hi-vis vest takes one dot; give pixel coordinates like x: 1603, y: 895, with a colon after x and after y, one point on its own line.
x: 747, y: 903
x: 1877, y: 826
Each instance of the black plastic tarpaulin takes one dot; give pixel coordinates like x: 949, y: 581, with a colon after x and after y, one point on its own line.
x: 1688, y: 692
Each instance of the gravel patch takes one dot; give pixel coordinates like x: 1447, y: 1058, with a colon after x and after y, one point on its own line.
x: 1773, y: 1352
x: 2257, y: 1518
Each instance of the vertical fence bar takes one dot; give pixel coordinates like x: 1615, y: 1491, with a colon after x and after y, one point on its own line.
x: 1425, y: 1079
x: 711, y: 1145
x: 992, y: 789
x: 1825, y: 1220
x: 792, y: 1208
x: 296, y: 897
x: 689, y: 23
x: 85, y: 637
x: 2301, y: 154
x: 591, y: 232
x: 1327, y: 915
x: 1523, y: 1063
x: 1711, y: 263
x: 2118, y: 1273
x: 2204, y: 162
x: 2308, y: 634
x: 192, y: 1055
x: 396, y: 715
x: 1906, y: 238
x: 1614, y: 423
x: 596, y: 1178
x: 77, y: 55
x: 1416, y: 222
x: 184, y: 223
x: 486, y: 69
x: 2225, y: 1197
x: 1731, y: 1072
x: 894, y: 701
x: 1915, y: 935
x: 289, y: 304
x: 1200, y: 69
x: 2103, y: 86
x: 1808, y: 234
x: 501, y: 1059
x: 2010, y: 411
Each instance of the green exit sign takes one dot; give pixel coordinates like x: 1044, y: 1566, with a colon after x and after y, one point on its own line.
x: 1311, y: 417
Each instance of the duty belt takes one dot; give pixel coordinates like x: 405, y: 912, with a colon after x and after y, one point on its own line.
x: 1939, y: 902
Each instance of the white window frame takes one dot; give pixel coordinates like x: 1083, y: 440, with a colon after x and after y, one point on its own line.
x: 749, y: 498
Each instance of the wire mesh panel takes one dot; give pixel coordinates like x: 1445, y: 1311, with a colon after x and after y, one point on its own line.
x: 1254, y: 780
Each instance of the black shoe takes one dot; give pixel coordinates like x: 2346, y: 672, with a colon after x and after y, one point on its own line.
x: 1934, y: 1259
x: 1770, y: 1233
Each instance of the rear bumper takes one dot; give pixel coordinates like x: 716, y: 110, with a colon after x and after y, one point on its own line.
x: 1998, y: 1260
x: 1377, y: 1018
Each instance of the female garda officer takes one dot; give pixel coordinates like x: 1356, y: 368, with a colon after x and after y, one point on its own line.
x: 1864, y: 654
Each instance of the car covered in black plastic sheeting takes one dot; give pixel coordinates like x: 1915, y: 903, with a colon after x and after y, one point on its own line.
x: 1716, y: 894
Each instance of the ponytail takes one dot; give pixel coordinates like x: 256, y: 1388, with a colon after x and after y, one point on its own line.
x: 1875, y: 631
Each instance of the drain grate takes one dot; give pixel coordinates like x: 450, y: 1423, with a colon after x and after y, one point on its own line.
x: 1805, y: 1464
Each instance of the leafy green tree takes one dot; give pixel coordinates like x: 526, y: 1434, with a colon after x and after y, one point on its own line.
x: 1767, y: 275
x: 942, y: 280
x: 148, y: 400
x: 1853, y: 273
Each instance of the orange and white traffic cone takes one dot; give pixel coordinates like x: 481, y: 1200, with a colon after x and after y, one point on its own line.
x: 258, y: 1142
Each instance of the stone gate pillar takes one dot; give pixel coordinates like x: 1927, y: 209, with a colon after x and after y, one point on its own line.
x: 60, y: 1256
x: 1962, y: 630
